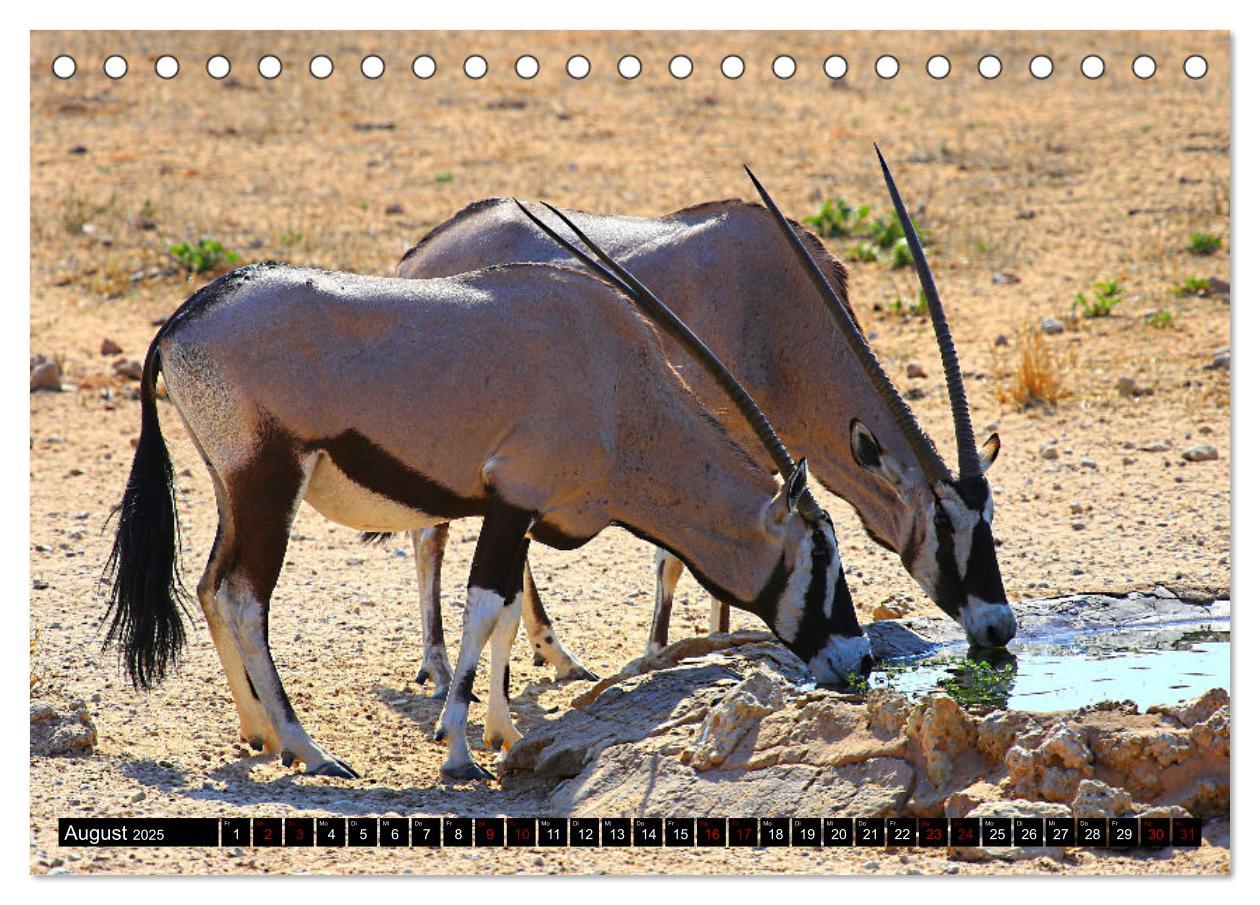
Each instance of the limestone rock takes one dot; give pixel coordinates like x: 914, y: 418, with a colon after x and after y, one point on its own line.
x: 59, y: 729
x: 1097, y: 799
x: 1017, y: 808
x: 942, y: 730
x: 726, y: 725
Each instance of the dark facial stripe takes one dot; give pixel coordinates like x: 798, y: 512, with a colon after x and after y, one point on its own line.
x: 984, y: 578
x: 949, y: 595
x: 816, y: 627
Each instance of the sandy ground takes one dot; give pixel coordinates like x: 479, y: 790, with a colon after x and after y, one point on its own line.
x: 347, y: 173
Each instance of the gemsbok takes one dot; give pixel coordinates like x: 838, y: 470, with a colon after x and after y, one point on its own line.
x: 745, y: 279
x: 530, y: 395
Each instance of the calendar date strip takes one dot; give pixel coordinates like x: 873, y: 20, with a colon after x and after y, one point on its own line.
x: 631, y: 832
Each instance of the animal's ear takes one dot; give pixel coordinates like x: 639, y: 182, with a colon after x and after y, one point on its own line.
x: 989, y: 452
x: 784, y: 502
x: 869, y: 454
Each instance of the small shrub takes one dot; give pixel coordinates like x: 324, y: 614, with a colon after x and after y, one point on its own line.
x: 1193, y: 286
x: 1161, y: 319
x: 443, y: 177
x: 901, y: 256
x: 207, y: 256
x: 1105, y: 296
x: 864, y: 252
x: 77, y: 212
x: 1038, y: 376
x: 918, y: 307
x: 1204, y: 244
x: 837, y: 217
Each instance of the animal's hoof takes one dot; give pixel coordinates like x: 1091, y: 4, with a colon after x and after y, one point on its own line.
x: 539, y: 659
x: 493, y: 742
x: 336, y: 768
x: 583, y: 674
x: 422, y: 676
x: 439, y: 734
x: 439, y: 694
x: 256, y: 742
x: 287, y: 758
x: 470, y: 771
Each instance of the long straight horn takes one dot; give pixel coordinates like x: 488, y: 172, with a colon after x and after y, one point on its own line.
x: 933, y: 468
x: 968, y: 457
x: 664, y: 316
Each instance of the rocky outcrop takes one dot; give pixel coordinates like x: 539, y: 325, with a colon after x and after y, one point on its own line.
x: 731, y: 724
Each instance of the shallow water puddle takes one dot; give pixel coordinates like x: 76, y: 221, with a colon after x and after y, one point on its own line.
x: 1148, y: 667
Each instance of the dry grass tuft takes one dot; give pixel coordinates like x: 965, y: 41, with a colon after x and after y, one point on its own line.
x: 1038, y: 377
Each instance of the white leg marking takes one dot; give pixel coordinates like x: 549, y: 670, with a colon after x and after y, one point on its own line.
x: 481, y: 615
x: 256, y: 729
x: 715, y: 616
x: 429, y: 545
x: 243, y: 614
x: 546, y: 646
x: 499, y: 730
x: 668, y: 571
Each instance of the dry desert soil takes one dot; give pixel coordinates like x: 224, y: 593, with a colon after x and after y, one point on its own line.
x: 1061, y: 183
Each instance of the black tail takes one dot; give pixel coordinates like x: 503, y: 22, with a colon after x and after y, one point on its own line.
x: 146, y: 593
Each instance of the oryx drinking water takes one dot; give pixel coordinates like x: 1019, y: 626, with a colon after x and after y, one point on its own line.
x: 530, y: 395
x: 753, y: 297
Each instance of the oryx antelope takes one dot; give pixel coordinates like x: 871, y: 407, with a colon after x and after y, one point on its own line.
x: 532, y: 396
x: 748, y: 282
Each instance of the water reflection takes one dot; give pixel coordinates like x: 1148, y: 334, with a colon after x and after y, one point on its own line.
x: 1144, y: 666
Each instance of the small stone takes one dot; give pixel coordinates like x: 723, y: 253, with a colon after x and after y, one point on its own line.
x: 892, y: 608
x: 46, y: 376
x: 915, y: 393
x: 1052, y: 326
x: 1003, y: 278
x: 1220, y: 362
x: 1050, y: 452
x: 1130, y: 387
x: 1078, y: 526
x: 109, y: 347
x: 1001, y: 340
x: 1076, y: 508
x: 129, y: 368
x: 1089, y: 463
x: 393, y: 210
x: 915, y: 370
x: 1200, y: 453
x: 139, y: 796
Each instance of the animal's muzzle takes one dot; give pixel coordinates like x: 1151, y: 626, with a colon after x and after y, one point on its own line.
x: 988, y: 624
